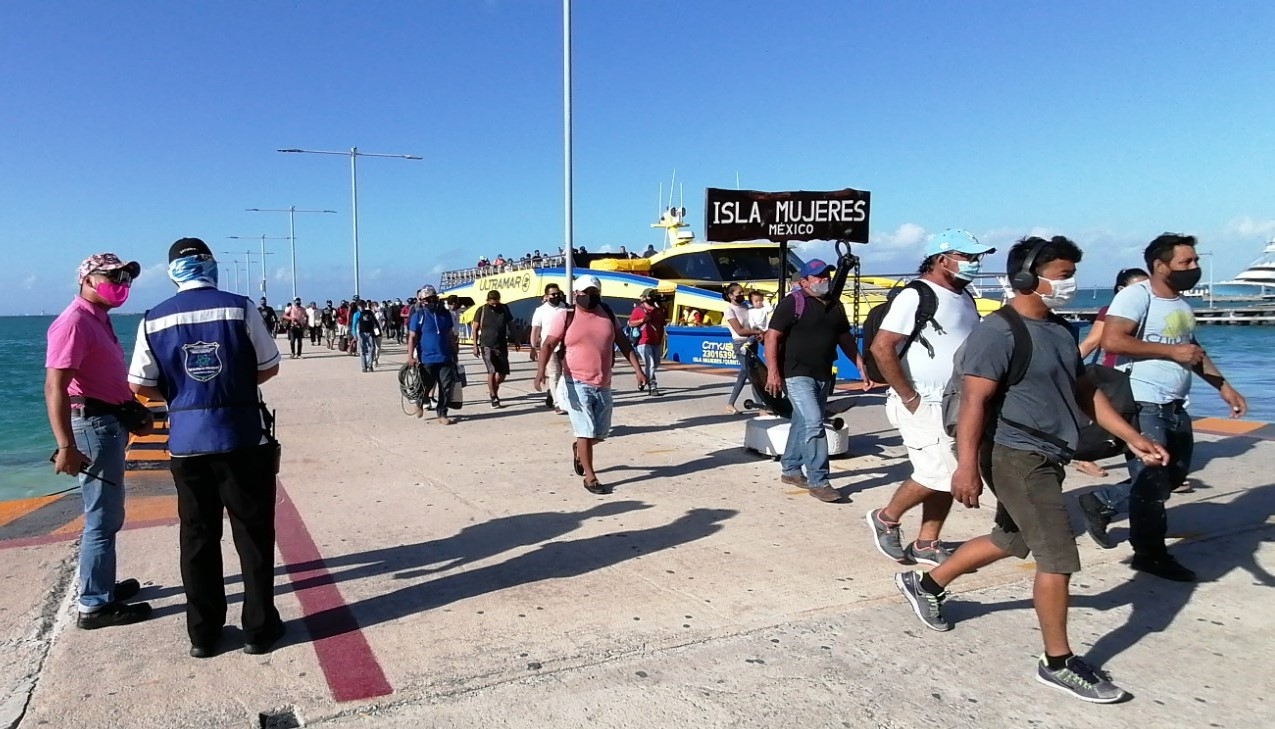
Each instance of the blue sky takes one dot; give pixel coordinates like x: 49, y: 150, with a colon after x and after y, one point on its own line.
x: 128, y: 125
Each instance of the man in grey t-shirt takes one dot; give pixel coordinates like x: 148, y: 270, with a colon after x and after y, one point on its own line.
x: 1035, y: 427
x: 1151, y: 329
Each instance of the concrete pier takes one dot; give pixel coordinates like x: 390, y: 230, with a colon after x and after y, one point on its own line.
x: 461, y: 576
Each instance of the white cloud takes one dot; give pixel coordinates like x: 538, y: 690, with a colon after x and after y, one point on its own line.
x: 1247, y: 227
x: 908, y: 235
x: 29, y: 281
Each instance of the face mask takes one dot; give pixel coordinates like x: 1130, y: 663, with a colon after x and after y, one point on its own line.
x: 1064, y: 290
x: 587, y: 301
x: 556, y: 300
x: 112, y: 293
x: 967, y: 270
x: 821, y: 288
x: 1184, y: 280
x: 737, y: 299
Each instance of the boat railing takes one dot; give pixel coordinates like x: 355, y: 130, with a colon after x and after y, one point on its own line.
x: 460, y: 277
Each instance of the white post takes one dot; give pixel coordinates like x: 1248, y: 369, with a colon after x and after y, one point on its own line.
x: 569, y: 247
x: 354, y: 211
x: 263, y: 265
x: 292, y: 245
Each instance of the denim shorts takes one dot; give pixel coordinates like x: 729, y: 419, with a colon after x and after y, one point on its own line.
x: 588, y: 406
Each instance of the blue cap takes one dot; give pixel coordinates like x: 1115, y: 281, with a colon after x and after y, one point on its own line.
x: 815, y: 267
x: 956, y: 240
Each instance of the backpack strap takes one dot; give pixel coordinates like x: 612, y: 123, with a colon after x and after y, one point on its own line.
x: 927, y: 306
x: 1019, y: 361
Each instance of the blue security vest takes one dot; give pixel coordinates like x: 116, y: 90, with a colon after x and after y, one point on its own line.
x: 207, y: 371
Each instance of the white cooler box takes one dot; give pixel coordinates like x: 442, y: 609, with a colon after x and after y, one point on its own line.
x: 768, y: 434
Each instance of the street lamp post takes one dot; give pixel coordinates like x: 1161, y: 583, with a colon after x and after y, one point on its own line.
x: 1210, y: 255
x: 354, y: 155
x: 568, y: 247
x: 247, y: 268
x: 263, y: 239
x: 234, y: 262
x: 292, y: 211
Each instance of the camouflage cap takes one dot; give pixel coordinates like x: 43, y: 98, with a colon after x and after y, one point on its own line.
x: 103, y: 262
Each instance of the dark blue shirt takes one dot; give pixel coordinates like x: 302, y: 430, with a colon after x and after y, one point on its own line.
x: 433, y: 329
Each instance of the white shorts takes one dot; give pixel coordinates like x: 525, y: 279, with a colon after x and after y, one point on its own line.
x: 930, y: 449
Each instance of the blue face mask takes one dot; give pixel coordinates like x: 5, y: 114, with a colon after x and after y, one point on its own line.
x: 193, y: 268
x: 968, y: 270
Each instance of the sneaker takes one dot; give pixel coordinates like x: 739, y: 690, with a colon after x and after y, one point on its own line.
x: 655, y: 392
x: 932, y: 553
x: 114, y: 613
x: 825, y: 493
x: 1097, y: 517
x: 495, y: 402
x: 888, y: 537
x: 1080, y: 680
x: 1164, y: 566
x: 797, y: 480
x: 418, y: 411
x: 929, y: 608
x: 642, y: 387
x: 265, y: 644
x: 444, y: 420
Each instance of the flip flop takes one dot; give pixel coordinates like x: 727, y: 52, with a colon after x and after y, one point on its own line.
x: 575, y: 460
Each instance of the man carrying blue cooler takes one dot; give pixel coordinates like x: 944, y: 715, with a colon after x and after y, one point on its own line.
x: 205, y: 351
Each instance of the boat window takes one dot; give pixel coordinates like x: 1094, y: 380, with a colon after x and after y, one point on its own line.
x: 726, y: 264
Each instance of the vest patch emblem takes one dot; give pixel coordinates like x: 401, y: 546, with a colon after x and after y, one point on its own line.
x: 203, y: 361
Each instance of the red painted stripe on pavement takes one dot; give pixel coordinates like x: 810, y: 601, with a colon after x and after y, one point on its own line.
x: 348, y: 664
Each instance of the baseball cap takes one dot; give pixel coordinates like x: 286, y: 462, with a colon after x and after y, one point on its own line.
x: 586, y: 281
x: 815, y: 267
x: 187, y: 247
x: 426, y: 291
x: 104, y: 262
x: 956, y: 240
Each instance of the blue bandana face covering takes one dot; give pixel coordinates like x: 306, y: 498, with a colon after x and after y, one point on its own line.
x: 193, y: 268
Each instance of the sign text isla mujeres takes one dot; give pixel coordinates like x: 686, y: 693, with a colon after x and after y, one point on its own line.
x: 734, y: 215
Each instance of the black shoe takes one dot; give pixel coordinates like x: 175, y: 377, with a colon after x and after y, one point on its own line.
x: 114, y: 613
x: 1164, y: 566
x: 495, y: 402
x: 549, y: 401
x: 126, y: 590
x: 266, y: 643
x: 1097, y: 517
x: 202, y: 651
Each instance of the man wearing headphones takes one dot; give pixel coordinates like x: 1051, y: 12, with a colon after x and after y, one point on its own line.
x: 1018, y: 424
x: 204, y: 352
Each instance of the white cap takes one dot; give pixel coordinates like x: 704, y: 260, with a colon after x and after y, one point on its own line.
x: 586, y: 281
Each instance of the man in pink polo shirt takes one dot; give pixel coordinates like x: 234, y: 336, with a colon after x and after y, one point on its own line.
x: 88, y: 399
x: 589, y: 334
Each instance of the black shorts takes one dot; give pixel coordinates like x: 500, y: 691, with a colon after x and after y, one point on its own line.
x: 497, y: 360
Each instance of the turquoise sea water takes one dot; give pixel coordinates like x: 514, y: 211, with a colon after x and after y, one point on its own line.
x: 1242, y: 353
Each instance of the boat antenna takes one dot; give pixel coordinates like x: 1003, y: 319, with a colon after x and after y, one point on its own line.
x: 670, y: 188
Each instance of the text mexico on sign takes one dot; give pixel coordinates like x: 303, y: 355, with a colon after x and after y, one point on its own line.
x: 735, y: 215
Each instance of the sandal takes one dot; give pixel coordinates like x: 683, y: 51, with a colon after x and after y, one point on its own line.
x: 595, y: 487
x: 575, y: 460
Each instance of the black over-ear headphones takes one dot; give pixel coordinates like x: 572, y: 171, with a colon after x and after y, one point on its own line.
x: 1025, y: 279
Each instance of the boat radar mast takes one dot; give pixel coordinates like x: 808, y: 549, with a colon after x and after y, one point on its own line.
x: 676, y: 230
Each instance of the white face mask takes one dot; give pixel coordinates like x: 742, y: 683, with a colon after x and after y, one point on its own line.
x: 1063, y: 291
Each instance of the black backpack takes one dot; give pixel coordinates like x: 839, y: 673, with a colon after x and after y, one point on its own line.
x: 925, y: 311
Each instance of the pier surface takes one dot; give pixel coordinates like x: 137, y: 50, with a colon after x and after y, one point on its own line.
x: 461, y: 576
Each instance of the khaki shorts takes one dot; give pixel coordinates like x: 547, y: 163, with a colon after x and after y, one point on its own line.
x: 929, y: 446
x: 1031, y: 515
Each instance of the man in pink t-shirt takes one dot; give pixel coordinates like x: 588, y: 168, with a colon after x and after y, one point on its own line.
x: 85, y: 384
x: 589, y: 334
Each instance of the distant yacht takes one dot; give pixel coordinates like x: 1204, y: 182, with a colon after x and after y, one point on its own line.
x: 1262, y: 271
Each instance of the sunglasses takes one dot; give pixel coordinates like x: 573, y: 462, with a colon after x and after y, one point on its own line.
x: 119, y: 276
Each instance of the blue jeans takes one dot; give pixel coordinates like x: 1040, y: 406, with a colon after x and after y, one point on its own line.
x: 649, y: 355
x: 1149, y: 487
x: 742, y: 376
x: 807, y: 443
x: 366, y: 353
x: 102, y: 439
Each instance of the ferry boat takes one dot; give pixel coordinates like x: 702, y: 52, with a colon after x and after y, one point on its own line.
x: 1257, y: 281
x: 689, y: 275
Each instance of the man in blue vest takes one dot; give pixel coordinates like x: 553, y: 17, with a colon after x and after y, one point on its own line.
x: 205, y: 351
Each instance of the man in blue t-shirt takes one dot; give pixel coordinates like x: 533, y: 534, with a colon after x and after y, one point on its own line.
x: 434, y: 348
x: 1151, y: 330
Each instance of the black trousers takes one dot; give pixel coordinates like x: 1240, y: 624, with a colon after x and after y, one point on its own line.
x: 439, y: 377
x: 241, y: 483
x: 296, y: 336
